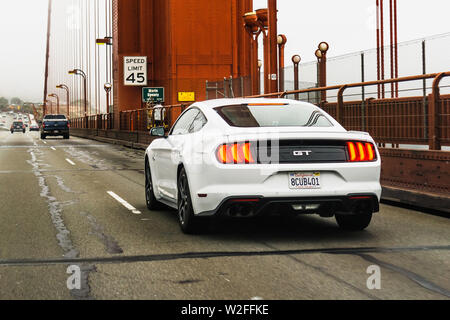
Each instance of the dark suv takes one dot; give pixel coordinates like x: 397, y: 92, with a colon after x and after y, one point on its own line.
x: 17, y: 127
x: 55, y: 125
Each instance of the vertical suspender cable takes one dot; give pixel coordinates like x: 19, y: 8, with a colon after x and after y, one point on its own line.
x: 47, y: 55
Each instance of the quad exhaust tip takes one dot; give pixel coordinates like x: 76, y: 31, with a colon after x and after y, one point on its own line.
x: 305, y: 207
x: 241, y: 210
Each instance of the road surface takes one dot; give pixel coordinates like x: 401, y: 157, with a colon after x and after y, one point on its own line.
x: 59, y: 208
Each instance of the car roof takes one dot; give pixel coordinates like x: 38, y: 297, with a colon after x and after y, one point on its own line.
x: 207, y: 107
x: 211, y: 104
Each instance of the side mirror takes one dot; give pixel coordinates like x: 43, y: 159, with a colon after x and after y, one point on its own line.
x: 158, y: 132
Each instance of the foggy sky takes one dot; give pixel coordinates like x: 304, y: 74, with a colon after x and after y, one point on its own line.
x: 348, y: 26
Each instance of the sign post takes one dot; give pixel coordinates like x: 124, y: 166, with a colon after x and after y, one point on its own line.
x: 151, y: 96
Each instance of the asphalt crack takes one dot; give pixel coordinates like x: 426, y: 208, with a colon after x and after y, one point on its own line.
x: 111, y: 245
x: 55, y: 209
x: 210, y: 255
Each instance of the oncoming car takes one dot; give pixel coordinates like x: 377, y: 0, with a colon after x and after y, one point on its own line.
x: 244, y: 158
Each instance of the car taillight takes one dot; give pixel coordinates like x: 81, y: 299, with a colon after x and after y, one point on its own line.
x: 361, y: 151
x: 235, y: 153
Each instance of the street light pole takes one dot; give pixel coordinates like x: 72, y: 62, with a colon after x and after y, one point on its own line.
x: 281, y: 44
x: 80, y: 72
x: 259, y: 75
x: 64, y: 87
x: 272, y: 42
x: 321, y: 54
x: 252, y: 27
x: 296, y: 60
x: 53, y: 95
x: 263, y: 22
x: 45, y: 107
x: 107, y: 87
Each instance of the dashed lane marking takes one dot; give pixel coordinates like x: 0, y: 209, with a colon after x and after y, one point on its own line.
x: 124, y: 203
x: 70, y: 161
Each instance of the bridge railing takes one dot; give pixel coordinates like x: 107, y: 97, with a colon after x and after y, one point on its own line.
x: 144, y: 119
x: 421, y: 120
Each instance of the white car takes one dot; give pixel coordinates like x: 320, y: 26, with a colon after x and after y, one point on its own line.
x: 244, y: 158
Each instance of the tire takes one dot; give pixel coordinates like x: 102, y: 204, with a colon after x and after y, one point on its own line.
x: 188, y: 222
x: 43, y: 136
x: 150, y: 199
x: 359, y: 219
x: 66, y: 137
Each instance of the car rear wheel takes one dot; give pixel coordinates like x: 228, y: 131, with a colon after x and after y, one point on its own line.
x: 43, y: 136
x: 359, y: 219
x: 152, y: 203
x: 188, y: 222
x: 66, y: 137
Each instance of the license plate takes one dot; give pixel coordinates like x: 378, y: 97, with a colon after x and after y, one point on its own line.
x: 305, y: 180
x: 56, y: 131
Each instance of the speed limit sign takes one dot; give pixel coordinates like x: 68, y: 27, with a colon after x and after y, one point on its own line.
x: 135, y: 71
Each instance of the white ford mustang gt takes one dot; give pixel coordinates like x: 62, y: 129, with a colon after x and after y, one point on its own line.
x: 244, y: 158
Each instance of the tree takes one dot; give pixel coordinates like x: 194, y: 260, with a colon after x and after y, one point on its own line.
x: 16, y: 101
x: 4, y: 103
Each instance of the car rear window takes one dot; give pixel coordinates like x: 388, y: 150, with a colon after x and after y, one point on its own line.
x: 58, y: 123
x: 54, y: 117
x: 18, y: 124
x: 263, y: 115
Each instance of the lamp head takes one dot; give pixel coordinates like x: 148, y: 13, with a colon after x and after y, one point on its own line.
x: 323, y: 47
x: 263, y: 16
x: 296, y: 59
x: 319, y: 54
x: 108, y: 87
x: 251, y: 21
x: 281, y: 40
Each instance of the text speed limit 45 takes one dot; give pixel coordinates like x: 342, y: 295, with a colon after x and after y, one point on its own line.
x: 135, y: 71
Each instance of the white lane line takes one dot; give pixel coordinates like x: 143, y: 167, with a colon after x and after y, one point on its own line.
x: 124, y: 203
x: 70, y: 161
x: 53, y: 148
x: 44, y: 142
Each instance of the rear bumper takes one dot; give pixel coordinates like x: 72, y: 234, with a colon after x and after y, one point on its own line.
x: 251, y: 206
x: 55, y: 132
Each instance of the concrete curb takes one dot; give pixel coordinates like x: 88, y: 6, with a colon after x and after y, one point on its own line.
x: 129, y: 144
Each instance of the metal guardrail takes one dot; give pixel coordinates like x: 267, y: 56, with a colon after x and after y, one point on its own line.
x: 412, y: 120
